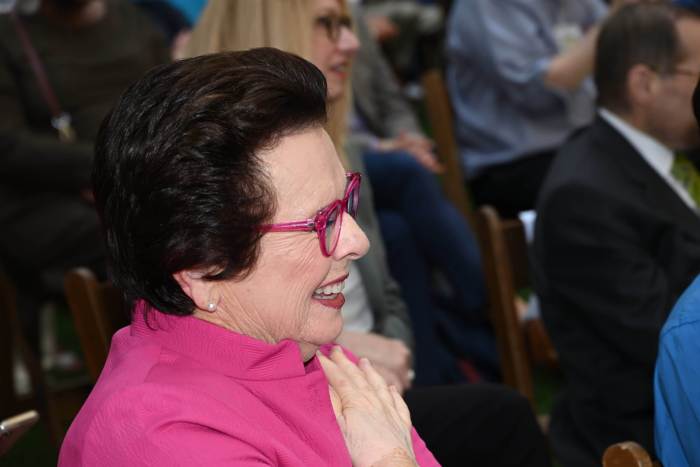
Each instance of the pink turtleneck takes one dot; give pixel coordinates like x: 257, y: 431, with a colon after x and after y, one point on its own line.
x: 181, y: 391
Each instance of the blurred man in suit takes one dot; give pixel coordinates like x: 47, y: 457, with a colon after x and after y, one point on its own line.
x: 618, y: 234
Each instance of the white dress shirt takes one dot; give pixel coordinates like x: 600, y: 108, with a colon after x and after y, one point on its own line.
x: 357, y: 313
x: 658, y: 156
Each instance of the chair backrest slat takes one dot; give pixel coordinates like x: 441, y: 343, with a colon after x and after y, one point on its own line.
x: 500, y: 247
x: 439, y: 110
x: 98, y: 312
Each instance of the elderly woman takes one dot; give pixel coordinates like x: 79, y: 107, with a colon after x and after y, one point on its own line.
x: 229, y: 223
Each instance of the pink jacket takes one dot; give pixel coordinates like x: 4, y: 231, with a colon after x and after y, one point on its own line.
x: 181, y: 391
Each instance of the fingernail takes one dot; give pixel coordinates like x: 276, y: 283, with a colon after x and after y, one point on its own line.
x: 364, y: 362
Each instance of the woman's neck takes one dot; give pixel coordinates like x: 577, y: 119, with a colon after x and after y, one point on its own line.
x: 250, y: 329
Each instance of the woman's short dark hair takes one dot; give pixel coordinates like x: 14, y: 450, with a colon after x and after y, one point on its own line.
x: 640, y: 33
x: 178, y: 180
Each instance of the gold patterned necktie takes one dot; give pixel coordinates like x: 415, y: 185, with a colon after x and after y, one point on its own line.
x: 687, y: 175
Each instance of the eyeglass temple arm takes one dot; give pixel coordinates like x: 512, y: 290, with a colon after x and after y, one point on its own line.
x: 296, y: 226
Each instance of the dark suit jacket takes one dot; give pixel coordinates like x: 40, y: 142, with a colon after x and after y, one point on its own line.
x: 614, y: 248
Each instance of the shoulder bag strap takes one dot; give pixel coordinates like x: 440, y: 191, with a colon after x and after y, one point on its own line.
x: 60, y: 120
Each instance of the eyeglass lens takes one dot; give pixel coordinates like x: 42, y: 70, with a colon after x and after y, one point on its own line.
x: 332, y: 232
x: 334, y: 219
x: 353, y: 200
x: 333, y: 24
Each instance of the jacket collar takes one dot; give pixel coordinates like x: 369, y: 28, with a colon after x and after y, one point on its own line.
x: 218, y: 348
x: 656, y: 192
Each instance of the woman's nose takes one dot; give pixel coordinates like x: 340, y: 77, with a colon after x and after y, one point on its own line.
x: 348, y: 41
x: 353, y: 242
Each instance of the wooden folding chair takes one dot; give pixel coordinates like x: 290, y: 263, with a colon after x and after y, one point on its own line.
x: 12, y: 346
x: 521, y: 344
x: 45, y: 397
x: 627, y: 454
x: 439, y: 110
x: 98, y: 312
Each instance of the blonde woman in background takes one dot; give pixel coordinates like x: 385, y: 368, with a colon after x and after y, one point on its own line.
x: 283, y: 24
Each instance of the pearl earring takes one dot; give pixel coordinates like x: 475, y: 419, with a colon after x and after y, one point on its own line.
x: 211, y: 306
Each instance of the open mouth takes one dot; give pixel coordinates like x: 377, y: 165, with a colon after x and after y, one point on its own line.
x: 341, y: 68
x: 331, y: 295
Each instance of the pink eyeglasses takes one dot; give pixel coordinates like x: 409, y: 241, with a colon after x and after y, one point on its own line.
x: 328, y: 221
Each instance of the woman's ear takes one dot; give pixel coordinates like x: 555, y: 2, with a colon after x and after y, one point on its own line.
x: 203, y: 292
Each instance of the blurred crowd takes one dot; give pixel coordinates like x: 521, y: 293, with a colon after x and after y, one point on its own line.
x: 578, y: 110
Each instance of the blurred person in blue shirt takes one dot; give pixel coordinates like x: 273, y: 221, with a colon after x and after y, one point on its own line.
x: 677, y: 384
x: 519, y: 79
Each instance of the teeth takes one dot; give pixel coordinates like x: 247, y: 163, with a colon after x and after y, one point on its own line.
x: 332, y: 289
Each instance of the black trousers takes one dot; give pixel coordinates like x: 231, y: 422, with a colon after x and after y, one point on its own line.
x: 513, y: 187
x: 43, y: 235
x: 478, y: 425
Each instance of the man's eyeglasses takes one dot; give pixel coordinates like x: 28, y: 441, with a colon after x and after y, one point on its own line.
x: 328, y: 221
x: 679, y: 70
x: 333, y: 24
x: 686, y: 72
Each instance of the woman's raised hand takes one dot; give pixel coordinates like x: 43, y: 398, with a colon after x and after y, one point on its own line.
x: 372, y: 416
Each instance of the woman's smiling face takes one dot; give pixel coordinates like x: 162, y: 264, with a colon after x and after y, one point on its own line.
x: 332, y: 57
x: 291, y: 292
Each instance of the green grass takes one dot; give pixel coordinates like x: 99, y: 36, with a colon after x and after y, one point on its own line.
x: 547, y: 383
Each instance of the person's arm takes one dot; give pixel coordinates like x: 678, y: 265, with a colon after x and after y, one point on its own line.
x: 509, y: 43
x: 396, y: 115
x: 389, y: 343
x: 417, y: 146
x: 29, y: 157
x: 568, y: 69
x: 391, y: 357
x: 390, y: 116
x: 677, y: 393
